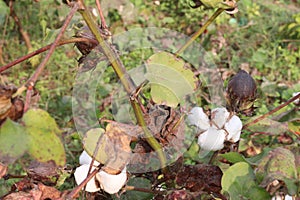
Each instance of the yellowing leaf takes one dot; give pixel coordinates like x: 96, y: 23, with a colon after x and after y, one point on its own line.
x: 40, y: 119
x: 13, y: 141
x: 44, y: 143
x: 169, y: 80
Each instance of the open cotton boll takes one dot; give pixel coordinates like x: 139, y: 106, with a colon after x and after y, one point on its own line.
x: 81, y: 174
x: 212, y: 139
x: 234, y: 127
x: 219, y: 116
x: 198, y: 118
x: 85, y: 158
x: 286, y: 197
x: 111, y: 183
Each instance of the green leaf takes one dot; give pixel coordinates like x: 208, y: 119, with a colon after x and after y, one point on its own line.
x: 233, y: 157
x: 239, y: 182
x: 13, y: 141
x: 169, y: 80
x: 279, y: 164
x: 137, y: 182
x: 270, y: 126
x: 44, y: 143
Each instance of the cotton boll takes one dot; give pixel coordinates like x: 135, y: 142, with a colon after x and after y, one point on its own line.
x: 234, y: 127
x: 81, y: 174
x: 198, y: 118
x: 212, y: 139
x: 279, y: 197
x: 112, y: 183
x: 85, y: 158
x: 219, y: 116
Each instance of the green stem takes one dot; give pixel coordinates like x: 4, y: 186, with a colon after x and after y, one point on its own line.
x: 126, y: 81
x: 200, y: 31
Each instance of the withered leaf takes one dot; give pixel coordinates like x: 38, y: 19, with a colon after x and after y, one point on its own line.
x: 43, y: 172
x: 200, y: 177
x: 112, y: 147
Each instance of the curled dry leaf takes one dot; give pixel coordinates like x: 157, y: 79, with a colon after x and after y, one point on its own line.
x: 46, y: 173
x: 48, y: 192
x: 10, y: 107
x: 112, y: 146
x: 167, y: 126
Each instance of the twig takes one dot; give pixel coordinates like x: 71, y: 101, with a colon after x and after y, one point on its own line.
x: 103, y: 23
x: 272, y: 111
x: 19, y: 25
x: 43, y: 49
x: 200, y: 31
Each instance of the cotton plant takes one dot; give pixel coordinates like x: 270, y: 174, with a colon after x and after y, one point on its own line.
x: 221, y: 127
x: 110, y: 183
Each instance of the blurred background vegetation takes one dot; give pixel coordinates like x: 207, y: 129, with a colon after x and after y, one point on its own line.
x: 263, y: 38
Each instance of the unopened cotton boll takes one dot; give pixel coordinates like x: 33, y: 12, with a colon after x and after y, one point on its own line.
x: 212, y: 139
x: 234, y: 127
x: 198, y: 118
x: 219, y: 116
x: 81, y: 174
x: 86, y: 159
x: 111, y: 183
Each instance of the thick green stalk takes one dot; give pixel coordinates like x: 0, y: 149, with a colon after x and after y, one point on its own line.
x: 126, y: 81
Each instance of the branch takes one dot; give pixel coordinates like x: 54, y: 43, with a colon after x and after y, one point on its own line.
x: 272, y: 111
x: 103, y: 23
x: 19, y: 25
x: 43, y: 49
x: 200, y: 31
